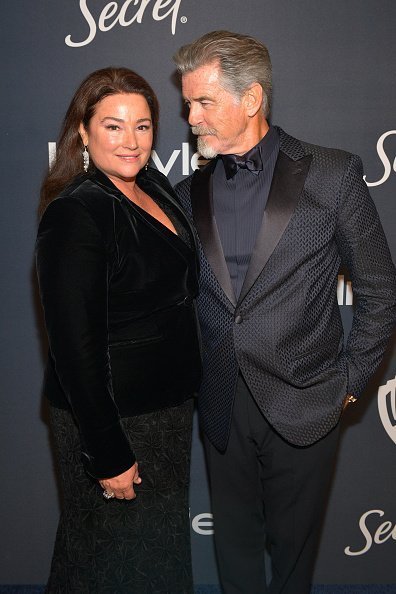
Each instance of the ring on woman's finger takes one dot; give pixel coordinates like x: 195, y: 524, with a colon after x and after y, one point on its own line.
x: 108, y: 494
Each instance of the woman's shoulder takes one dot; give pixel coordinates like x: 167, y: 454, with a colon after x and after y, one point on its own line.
x: 83, y: 193
x: 82, y: 204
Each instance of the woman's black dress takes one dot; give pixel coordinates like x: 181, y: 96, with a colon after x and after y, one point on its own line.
x: 119, y: 546
x: 140, y: 546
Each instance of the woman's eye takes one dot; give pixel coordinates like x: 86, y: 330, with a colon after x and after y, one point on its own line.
x: 112, y: 127
x: 144, y: 127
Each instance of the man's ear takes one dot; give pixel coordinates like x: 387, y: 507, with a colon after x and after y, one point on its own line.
x: 253, y: 99
x: 83, y: 133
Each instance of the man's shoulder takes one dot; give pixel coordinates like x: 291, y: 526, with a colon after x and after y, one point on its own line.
x: 183, y: 188
x: 320, y: 154
x: 184, y: 184
x: 320, y: 151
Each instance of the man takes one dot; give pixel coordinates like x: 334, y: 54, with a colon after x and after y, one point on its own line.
x: 275, y: 218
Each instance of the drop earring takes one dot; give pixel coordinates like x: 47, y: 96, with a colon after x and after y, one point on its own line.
x: 85, y: 155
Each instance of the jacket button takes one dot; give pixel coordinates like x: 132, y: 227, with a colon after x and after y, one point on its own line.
x: 238, y: 319
x: 187, y: 301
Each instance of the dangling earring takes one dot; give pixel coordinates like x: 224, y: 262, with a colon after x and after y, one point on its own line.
x: 146, y: 167
x: 85, y: 158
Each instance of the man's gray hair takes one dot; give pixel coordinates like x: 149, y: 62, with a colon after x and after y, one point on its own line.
x: 243, y: 61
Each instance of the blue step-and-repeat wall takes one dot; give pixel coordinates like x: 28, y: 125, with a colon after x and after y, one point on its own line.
x: 334, y: 85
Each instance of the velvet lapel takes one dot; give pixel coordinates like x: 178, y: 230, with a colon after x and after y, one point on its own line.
x: 287, y: 184
x: 148, y: 182
x: 150, y: 185
x: 202, y: 208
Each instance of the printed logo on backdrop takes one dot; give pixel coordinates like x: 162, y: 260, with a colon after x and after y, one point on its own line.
x: 371, y: 529
x: 180, y: 158
x: 385, y: 160
x: 387, y: 407
x: 373, y: 532
x: 203, y: 524
x: 125, y: 14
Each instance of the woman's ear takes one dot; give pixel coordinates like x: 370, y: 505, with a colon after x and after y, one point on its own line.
x: 83, y: 133
x: 253, y: 99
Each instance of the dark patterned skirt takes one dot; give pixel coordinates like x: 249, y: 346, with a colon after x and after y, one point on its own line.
x: 126, y: 547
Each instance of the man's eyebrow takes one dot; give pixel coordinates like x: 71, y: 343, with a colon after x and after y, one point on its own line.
x: 202, y: 98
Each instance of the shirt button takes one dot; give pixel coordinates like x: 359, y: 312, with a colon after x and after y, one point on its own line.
x: 238, y: 319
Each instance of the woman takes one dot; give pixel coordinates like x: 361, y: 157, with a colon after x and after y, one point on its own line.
x: 118, y: 273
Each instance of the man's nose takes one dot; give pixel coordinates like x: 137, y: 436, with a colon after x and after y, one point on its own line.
x: 195, y: 115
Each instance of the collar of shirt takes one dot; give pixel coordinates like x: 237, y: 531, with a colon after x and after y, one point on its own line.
x: 265, y: 147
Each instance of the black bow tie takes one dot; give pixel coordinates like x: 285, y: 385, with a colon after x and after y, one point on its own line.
x: 250, y: 160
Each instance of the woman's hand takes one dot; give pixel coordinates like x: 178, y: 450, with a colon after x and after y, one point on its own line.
x: 122, y: 486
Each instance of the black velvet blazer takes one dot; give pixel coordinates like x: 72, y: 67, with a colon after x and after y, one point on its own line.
x: 118, y: 289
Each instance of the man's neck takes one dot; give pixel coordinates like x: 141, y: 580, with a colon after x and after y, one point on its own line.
x: 257, y: 130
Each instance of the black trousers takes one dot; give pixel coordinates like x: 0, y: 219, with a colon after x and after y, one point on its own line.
x: 267, y: 493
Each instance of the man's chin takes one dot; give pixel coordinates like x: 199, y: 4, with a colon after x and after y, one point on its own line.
x: 204, y: 149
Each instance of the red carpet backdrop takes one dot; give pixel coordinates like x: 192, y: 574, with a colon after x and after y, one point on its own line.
x: 334, y: 85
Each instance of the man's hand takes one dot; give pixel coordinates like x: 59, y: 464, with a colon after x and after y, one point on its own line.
x: 349, y: 399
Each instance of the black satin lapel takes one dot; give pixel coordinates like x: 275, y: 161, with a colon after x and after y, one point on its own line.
x: 287, y: 184
x: 202, y: 208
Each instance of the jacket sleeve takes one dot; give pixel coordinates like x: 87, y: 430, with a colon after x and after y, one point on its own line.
x: 72, y: 267
x: 364, y: 250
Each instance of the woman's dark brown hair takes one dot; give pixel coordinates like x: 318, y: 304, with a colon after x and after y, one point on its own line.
x: 97, y: 86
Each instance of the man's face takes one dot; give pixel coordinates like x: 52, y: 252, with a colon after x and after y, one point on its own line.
x: 217, y: 117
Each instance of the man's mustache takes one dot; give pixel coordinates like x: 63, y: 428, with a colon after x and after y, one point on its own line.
x: 202, y: 131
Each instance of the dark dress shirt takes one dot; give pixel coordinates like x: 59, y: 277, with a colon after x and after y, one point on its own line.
x: 239, y: 205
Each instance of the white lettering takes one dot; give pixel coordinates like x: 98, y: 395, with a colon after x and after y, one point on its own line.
x: 92, y: 27
x: 185, y: 158
x: 174, y: 10
x: 158, y: 163
x: 384, y: 159
x: 51, y: 153
x: 197, y: 161
x: 344, y: 291
x: 348, y: 294
x: 109, y: 11
x: 203, y: 524
x: 384, y: 532
x: 385, y: 528
x: 138, y: 16
x: 366, y: 533
x: 164, y: 167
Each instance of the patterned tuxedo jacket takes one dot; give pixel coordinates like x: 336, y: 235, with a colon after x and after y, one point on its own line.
x: 284, y: 333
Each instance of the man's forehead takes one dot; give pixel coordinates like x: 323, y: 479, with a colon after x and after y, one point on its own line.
x: 208, y: 74
x: 204, y: 82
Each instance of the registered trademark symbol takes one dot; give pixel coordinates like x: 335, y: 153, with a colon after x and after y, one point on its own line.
x: 183, y: 19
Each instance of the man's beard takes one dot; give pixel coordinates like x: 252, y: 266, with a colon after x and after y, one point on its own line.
x: 204, y: 149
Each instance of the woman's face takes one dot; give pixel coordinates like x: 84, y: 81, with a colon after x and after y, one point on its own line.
x: 119, y: 136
